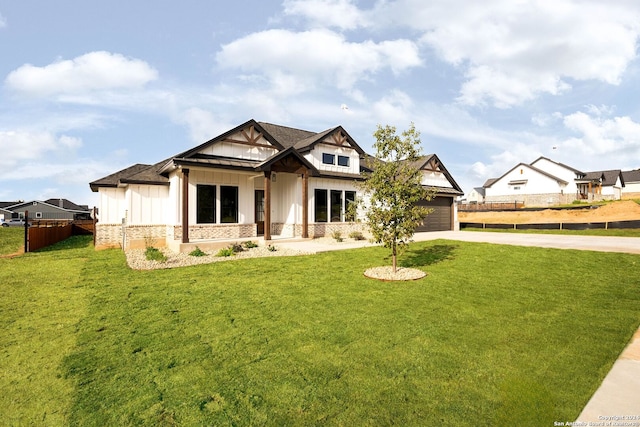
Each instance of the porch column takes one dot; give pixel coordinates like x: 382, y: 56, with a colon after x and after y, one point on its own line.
x: 305, y: 204
x: 185, y: 205
x: 267, y: 205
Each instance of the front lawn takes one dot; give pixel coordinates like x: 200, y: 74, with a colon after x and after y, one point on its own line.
x: 494, y: 335
x: 11, y: 240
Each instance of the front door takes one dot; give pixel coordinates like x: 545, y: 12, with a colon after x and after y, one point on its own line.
x: 259, y: 211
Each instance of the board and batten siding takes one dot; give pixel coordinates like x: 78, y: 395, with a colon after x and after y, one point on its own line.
x: 240, y: 151
x: 221, y: 178
x: 315, y: 158
x: 148, y: 204
x: 435, y: 179
x: 558, y: 171
x: 112, y: 205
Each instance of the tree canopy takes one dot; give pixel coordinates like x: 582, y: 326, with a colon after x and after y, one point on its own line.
x: 394, y: 188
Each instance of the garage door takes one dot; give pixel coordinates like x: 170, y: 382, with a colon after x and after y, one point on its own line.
x: 440, y: 218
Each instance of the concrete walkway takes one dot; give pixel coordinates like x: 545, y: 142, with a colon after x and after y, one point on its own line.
x: 619, y: 394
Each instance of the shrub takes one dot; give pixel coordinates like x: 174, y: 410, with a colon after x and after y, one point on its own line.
x: 249, y: 244
x: 225, y: 252
x: 154, y: 254
x: 337, y: 235
x: 356, y: 235
x: 236, y: 247
x: 197, y: 252
x: 271, y: 248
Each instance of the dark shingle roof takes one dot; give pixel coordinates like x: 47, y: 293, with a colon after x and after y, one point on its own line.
x: 66, y: 204
x: 608, y: 178
x: 631, y: 176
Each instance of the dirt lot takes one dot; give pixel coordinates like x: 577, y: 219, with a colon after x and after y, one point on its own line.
x: 618, y: 211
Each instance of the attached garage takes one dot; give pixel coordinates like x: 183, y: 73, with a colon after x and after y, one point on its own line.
x: 442, y: 217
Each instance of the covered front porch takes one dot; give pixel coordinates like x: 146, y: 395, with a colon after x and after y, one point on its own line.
x: 280, y: 189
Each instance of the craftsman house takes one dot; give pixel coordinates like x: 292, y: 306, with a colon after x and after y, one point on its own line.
x: 255, y: 180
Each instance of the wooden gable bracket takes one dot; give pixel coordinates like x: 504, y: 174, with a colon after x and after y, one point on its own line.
x: 252, y: 136
x: 434, y: 165
x: 339, y: 138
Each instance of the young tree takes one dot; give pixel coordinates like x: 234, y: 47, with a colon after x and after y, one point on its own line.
x: 394, y: 188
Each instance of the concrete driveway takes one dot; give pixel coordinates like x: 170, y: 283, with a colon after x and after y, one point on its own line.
x: 587, y: 243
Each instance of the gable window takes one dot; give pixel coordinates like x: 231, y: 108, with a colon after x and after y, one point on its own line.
x: 336, y: 206
x: 206, y: 204
x: 321, y: 208
x: 228, y: 204
x: 343, y: 161
x: 38, y: 214
x: 328, y: 159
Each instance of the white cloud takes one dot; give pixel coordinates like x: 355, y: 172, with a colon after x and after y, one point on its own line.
x: 3, y: 21
x: 19, y: 147
x: 513, y: 51
x: 294, y: 62
x: 94, y: 71
x: 341, y: 14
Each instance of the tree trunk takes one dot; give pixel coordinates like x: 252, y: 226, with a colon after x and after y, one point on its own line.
x: 394, y: 257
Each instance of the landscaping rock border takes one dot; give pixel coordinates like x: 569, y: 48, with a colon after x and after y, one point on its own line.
x: 401, y: 274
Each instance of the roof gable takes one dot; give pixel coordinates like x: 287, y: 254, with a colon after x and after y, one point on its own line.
x: 491, y: 182
x: 337, y: 137
x: 631, y: 176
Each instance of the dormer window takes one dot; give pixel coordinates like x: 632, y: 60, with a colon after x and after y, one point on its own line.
x: 343, y: 161
x: 329, y: 159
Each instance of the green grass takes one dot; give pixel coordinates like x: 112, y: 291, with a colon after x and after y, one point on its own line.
x: 493, y: 335
x: 616, y: 232
x: 11, y: 240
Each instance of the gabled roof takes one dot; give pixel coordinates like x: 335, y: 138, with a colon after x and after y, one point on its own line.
x: 338, y: 133
x: 557, y: 163
x: 605, y: 178
x: 432, y: 162
x: 53, y: 205
x: 533, y: 168
x: 114, y: 180
x: 66, y: 204
x: 427, y: 162
x: 631, y: 176
x: 488, y: 183
x: 281, y: 156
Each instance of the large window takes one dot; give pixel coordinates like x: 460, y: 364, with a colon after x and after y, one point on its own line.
x: 349, y: 198
x: 336, y: 206
x: 206, y: 204
x: 228, y: 204
x: 321, y: 205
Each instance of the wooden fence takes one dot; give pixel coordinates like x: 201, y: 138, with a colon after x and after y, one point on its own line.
x: 42, y: 233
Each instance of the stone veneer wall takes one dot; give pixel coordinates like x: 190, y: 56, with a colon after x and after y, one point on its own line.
x: 108, y: 236
x: 321, y: 229
x: 549, y: 199
x: 141, y: 236
x: 216, y: 231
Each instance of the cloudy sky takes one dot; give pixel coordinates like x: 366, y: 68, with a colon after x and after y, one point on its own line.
x: 88, y: 88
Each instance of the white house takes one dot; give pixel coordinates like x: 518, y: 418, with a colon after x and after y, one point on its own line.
x: 546, y: 182
x: 255, y: 180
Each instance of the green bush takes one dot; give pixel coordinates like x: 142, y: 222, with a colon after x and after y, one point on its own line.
x: 225, y: 252
x: 337, y: 235
x: 271, y: 248
x: 197, y: 252
x: 249, y: 244
x: 356, y: 235
x: 154, y: 254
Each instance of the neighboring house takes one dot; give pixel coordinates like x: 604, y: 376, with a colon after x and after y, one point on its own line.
x: 631, y: 189
x: 476, y: 195
x: 52, y: 209
x: 255, y: 180
x: 546, y: 182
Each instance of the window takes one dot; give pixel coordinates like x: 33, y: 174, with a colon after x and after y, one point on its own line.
x: 343, y: 161
x: 321, y: 205
x: 328, y: 159
x: 206, y: 204
x: 349, y: 197
x: 228, y: 204
x: 38, y: 214
x: 336, y: 206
